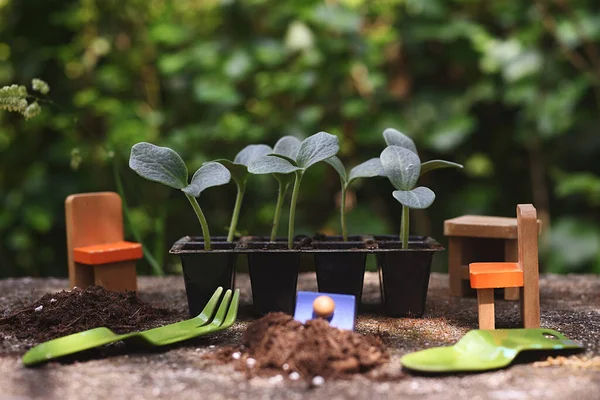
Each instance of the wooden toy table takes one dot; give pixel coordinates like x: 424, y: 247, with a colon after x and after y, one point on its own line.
x: 479, y: 238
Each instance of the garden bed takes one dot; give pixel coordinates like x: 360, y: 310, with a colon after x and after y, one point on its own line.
x: 569, y: 304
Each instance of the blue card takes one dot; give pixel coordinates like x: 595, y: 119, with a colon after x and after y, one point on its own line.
x: 344, y: 315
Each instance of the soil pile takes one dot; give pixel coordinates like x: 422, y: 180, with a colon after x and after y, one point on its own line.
x: 277, y: 344
x: 68, y: 312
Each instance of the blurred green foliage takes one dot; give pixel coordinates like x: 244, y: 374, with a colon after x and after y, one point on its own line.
x: 510, y: 89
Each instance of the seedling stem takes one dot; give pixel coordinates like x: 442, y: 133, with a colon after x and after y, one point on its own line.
x: 241, y: 189
x: 295, y: 192
x: 283, y: 188
x: 202, y: 219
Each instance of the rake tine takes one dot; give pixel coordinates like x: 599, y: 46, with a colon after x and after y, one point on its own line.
x: 209, y: 309
x: 233, y: 309
x: 218, y: 320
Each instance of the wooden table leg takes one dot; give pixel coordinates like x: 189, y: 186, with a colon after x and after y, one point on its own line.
x: 485, y: 308
x: 455, y: 260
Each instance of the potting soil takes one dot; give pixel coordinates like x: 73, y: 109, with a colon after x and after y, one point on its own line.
x: 277, y: 344
x: 67, y: 312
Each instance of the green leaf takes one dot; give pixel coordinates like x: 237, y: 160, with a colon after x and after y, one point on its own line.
x: 437, y: 164
x: 394, y: 137
x: 251, y: 152
x: 317, y: 147
x: 208, y: 175
x: 401, y: 166
x: 286, y: 158
x: 367, y: 169
x: 158, y: 164
x: 239, y: 167
x: 418, y: 198
x: 287, y: 146
x: 337, y: 164
x: 239, y: 172
x: 271, y: 164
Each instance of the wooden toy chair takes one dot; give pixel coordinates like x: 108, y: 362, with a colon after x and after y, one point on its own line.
x: 523, y: 274
x: 96, y: 250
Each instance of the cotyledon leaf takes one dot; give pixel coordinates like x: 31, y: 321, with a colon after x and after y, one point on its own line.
x: 287, y: 146
x: 337, y: 164
x: 401, y: 166
x: 418, y: 198
x: 208, y: 175
x: 239, y: 166
x: 251, y: 153
x: 436, y: 164
x: 367, y: 169
x: 271, y: 164
x: 394, y: 137
x: 158, y: 164
x: 317, y: 147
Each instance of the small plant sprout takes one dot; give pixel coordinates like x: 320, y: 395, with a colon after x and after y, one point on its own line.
x: 402, y: 167
x: 239, y: 173
x: 297, y: 159
x: 287, y: 146
x: 394, y: 137
x: 164, y: 165
x: 367, y: 169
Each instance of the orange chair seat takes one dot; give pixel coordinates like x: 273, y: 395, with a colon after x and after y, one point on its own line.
x: 107, y: 253
x: 488, y: 275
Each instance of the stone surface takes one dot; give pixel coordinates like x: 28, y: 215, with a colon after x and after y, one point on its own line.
x: 570, y: 304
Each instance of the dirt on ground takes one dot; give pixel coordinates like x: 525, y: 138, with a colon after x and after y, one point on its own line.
x: 66, y: 312
x: 569, y: 304
x: 277, y: 344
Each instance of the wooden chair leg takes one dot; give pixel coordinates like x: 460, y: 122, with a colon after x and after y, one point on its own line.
x: 83, y: 276
x: 118, y: 276
x: 455, y: 260
x: 485, y: 308
x: 511, y: 253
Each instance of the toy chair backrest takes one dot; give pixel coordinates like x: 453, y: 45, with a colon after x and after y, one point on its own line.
x: 527, y: 238
x: 92, y: 218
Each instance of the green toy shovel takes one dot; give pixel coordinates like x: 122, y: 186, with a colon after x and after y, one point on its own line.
x: 161, y: 336
x: 482, y: 350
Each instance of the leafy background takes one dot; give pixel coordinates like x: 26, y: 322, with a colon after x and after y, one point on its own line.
x: 511, y: 89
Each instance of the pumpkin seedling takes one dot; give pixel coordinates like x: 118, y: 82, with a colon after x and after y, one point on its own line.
x: 239, y: 173
x: 287, y: 146
x: 367, y: 169
x: 394, y: 137
x: 164, y: 165
x: 402, y: 167
x: 290, y: 157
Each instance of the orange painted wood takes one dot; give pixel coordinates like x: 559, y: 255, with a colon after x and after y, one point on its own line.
x: 107, y: 253
x: 495, y: 275
x: 118, y: 276
x: 485, y: 309
x: 528, y: 259
x: 91, y: 218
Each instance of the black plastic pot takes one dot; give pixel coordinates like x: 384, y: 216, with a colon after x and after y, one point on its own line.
x: 404, y: 275
x: 273, y: 275
x: 341, y: 270
x: 204, y: 271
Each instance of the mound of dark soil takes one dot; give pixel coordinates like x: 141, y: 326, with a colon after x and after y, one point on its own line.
x: 68, y: 312
x: 277, y: 344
